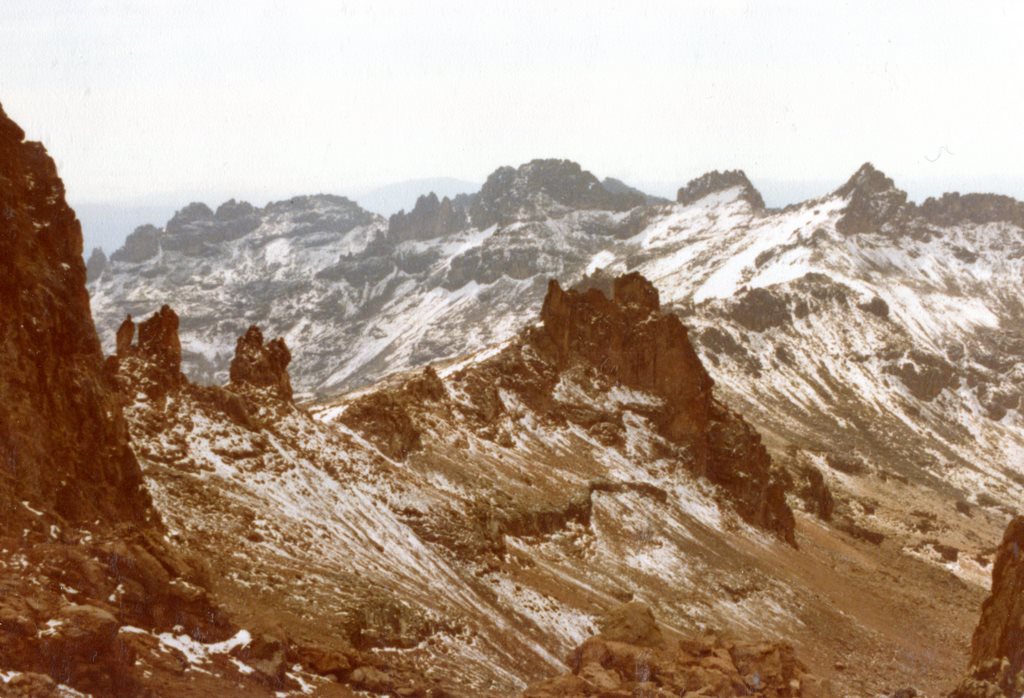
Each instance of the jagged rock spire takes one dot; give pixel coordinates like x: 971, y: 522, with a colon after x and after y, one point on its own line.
x: 262, y: 365
x: 627, y: 338
x: 874, y: 201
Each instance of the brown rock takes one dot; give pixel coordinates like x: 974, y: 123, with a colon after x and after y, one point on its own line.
x: 262, y: 365
x: 125, y: 337
x: 1000, y: 631
x: 63, y: 442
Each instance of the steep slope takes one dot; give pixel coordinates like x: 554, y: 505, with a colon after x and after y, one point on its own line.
x: 92, y: 597
x: 463, y: 527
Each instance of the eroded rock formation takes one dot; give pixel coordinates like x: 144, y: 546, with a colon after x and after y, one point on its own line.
x: 262, y: 365
x: 627, y: 338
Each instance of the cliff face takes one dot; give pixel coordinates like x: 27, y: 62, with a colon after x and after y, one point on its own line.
x: 627, y: 338
x: 1000, y: 631
x: 93, y: 597
x: 63, y: 443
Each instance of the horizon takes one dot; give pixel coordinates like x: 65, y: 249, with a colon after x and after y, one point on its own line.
x: 106, y: 224
x: 180, y: 100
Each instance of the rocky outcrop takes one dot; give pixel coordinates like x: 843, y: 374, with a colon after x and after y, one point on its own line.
x: 632, y: 655
x: 142, y: 244
x: 96, y: 264
x: 262, y: 365
x: 541, y: 188
x: 955, y: 208
x: 873, y: 201
x: 429, y: 219
x: 158, y: 347
x: 715, y: 181
x: 627, y: 338
x: 997, y: 648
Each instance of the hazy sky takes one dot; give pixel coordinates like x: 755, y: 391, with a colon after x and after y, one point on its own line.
x: 143, y: 101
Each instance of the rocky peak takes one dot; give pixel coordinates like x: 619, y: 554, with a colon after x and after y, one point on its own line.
x: 96, y: 264
x: 158, y: 346
x: 634, y: 344
x: 262, y: 365
x: 158, y: 340
x: 195, y: 212
x: 143, y: 243
x: 541, y: 188
x: 715, y: 181
x: 873, y: 201
x: 634, y: 291
x: 430, y: 218
x: 232, y: 210
x: 629, y: 340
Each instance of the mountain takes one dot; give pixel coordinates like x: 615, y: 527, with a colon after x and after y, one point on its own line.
x: 373, y: 296
x: 871, y: 341
x: 854, y: 326
x: 720, y: 453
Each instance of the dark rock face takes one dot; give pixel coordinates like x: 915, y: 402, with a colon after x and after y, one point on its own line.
x: 632, y: 656
x: 532, y: 190
x: 716, y: 181
x: 430, y: 218
x: 874, y: 201
x: 876, y: 306
x: 96, y: 264
x: 925, y: 375
x: 63, y: 444
x: 955, y: 208
x: 816, y: 494
x: 761, y: 309
x: 627, y: 338
x: 262, y: 365
x: 73, y: 510
x: 142, y: 244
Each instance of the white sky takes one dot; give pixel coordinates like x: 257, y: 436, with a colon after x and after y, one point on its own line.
x: 145, y: 100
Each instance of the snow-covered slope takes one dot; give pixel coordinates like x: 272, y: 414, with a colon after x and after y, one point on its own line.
x: 462, y: 529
